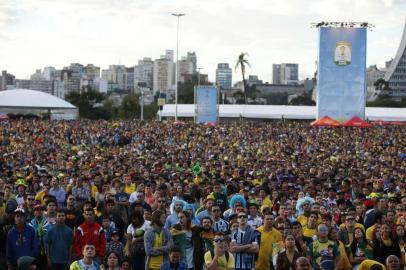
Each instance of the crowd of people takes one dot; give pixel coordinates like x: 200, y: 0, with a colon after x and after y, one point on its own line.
x: 89, y: 195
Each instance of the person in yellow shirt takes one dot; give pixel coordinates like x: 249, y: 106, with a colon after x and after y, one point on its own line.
x: 266, y: 201
x: 220, y: 259
x: 89, y: 251
x: 306, y: 213
x: 269, y: 237
x: 129, y: 186
x: 310, y: 229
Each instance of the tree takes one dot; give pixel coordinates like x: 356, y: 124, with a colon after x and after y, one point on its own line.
x: 239, y: 97
x: 241, y: 63
x: 130, y: 107
x: 304, y: 100
x: 86, y: 101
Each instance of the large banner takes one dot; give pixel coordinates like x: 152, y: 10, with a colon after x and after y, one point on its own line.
x: 341, y: 79
x: 206, y: 98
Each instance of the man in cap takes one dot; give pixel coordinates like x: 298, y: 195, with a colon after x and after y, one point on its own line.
x: 21, y: 240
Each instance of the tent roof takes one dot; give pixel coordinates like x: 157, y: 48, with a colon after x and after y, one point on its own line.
x: 280, y: 111
x: 24, y: 98
x: 357, y: 122
x: 326, y: 121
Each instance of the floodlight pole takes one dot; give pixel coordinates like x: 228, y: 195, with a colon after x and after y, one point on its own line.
x: 178, y: 15
x: 198, y: 76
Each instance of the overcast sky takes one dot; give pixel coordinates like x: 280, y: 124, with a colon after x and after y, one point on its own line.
x: 39, y: 33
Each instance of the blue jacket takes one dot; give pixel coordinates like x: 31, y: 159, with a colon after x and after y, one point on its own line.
x: 21, y: 244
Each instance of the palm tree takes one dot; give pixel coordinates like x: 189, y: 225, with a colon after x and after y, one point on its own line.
x: 241, y: 63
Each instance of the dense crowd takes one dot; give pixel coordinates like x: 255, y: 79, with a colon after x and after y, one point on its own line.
x: 88, y: 195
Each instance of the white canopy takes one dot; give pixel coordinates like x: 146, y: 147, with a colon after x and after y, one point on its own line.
x: 279, y: 112
x: 31, y: 99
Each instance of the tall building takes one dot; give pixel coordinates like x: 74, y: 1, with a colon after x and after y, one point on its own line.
x: 285, y: 73
x: 92, y: 72
x: 223, y: 76
x: 129, y: 79
x: 49, y: 73
x: 144, y: 73
x: 185, y: 68
x: 396, y: 74
x: 191, y: 57
x: 116, y: 75
x: 164, y: 73
x: 276, y: 74
x: 6, y: 79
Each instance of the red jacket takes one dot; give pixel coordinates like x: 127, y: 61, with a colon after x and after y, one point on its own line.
x: 90, y: 233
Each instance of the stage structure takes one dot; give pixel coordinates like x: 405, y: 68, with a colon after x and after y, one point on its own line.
x: 341, y: 76
x: 206, y: 100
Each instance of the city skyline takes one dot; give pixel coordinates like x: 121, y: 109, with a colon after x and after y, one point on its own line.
x: 105, y: 33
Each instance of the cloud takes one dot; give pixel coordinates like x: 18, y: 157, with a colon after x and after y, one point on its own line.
x: 48, y: 32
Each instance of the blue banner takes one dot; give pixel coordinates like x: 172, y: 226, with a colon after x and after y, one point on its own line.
x: 206, y: 104
x: 341, y: 80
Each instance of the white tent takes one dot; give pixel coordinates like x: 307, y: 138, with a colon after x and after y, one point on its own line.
x: 279, y: 112
x: 30, y: 101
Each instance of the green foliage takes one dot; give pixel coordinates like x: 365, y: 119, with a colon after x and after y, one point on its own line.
x: 86, y: 101
x: 130, y: 107
x: 242, y: 63
x: 277, y: 99
x: 239, y: 97
x: 150, y: 111
x: 386, y: 101
x: 303, y: 100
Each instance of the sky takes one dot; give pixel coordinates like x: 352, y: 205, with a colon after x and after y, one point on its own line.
x: 39, y: 33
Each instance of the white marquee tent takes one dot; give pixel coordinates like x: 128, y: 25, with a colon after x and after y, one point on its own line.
x: 30, y: 101
x: 279, y: 112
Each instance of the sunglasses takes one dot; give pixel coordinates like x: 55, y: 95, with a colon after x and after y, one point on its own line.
x: 242, y: 216
x: 219, y: 240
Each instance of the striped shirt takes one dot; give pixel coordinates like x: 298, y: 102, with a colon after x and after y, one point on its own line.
x: 220, y: 226
x: 244, y: 260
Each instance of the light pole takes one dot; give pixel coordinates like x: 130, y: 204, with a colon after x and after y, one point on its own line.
x: 142, y: 104
x: 178, y: 15
x: 198, y: 76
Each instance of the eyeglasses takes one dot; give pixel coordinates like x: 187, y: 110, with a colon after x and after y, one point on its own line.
x: 218, y: 240
x: 242, y: 216
x: 393, y: 261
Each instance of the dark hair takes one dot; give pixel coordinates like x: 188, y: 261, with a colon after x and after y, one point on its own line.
x: 296, y: 223
x: 175, y: 249
x: 106, y: 257
x: 51, y: 200
x: 354, y: 244
x: 188, y: 219
x: 61, y: 210
x: 156, y: 215
x: 208, y: 218
x: 110, y: 201
x: 138, y: 215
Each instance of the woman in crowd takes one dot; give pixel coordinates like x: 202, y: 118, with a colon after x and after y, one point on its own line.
x: 286, y: 260
x: 385, y: 244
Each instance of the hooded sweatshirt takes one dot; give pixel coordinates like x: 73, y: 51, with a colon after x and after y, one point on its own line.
x: 21, y: 243
x: 90, y: 232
